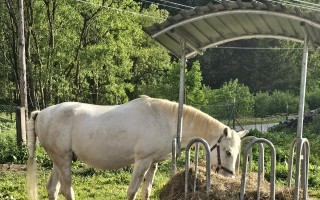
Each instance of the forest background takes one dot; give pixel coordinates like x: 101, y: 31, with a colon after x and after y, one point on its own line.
x: 97, y: 52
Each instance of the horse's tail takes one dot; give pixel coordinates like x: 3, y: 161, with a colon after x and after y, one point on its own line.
x: 32, y: 164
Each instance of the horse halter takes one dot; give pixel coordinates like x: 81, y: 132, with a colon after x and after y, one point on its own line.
x: 217, y: 145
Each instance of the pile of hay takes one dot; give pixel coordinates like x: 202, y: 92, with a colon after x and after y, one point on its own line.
x: 222, y: 188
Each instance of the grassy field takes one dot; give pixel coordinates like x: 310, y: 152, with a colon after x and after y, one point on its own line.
x: 87, y: 183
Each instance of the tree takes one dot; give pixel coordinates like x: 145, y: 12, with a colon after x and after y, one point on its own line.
x: 168, y: 86
x: 76, y: 51
x: 231, y: 92
x: 8, y: 48
x: 195, y: 95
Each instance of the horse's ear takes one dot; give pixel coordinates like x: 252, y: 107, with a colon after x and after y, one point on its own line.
x: 243, y: 133
x: 227, y: 132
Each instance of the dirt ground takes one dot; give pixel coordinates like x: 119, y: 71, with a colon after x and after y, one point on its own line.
x: 12, y: 167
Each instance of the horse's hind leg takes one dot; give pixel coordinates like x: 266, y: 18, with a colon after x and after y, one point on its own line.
x: 139, y: 171
x: 148, y: 180
x: 63, y: 167
x: 53, y: 185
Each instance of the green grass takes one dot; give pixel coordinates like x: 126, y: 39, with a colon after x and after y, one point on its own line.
x: 88, y: 184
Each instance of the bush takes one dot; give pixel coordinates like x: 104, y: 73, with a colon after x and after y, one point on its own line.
x: 314, y: 126
x: 10, y: 152
x: 313, y: 98
x: 261, y: 104
x: 280, y: 100
x: 275, y: 103
x: 221, y: 100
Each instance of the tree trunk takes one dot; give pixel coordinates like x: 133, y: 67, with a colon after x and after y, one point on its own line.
x: 23, y: 76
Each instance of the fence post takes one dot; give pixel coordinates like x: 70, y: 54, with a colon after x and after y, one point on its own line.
x: 234, y: 114
x: 21, y: 125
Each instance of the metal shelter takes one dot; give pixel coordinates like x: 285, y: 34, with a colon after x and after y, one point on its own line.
x: 193, y: 31
x: 214, y: 24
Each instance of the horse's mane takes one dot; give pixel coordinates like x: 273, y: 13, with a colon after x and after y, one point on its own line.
x: 201, y: 121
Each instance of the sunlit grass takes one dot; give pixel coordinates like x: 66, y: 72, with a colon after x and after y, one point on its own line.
x: 99, y: 184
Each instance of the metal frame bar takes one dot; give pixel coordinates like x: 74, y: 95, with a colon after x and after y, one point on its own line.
x: 303, y: 148
x: 187, y: 161
x: 260, y: 159
x: 273, y: 168
x: 174, y: 157
x: 289, y: 177
x: 260, y: 162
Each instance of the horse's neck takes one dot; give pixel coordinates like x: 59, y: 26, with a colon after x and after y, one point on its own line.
x: 203, y: 130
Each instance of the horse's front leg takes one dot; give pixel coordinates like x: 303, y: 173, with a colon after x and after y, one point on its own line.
x: 139, y: 171
x: 148, y: 180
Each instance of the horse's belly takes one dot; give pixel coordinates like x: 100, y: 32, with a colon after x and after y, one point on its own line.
x: 104, y: 160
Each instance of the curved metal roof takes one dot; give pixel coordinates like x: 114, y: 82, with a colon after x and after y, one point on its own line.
x: 214, y: 24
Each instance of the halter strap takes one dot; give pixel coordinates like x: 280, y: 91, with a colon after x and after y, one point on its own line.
x: 217, y: 145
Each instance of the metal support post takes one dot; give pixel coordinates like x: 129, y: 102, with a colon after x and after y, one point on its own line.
x: 303, y: 85
x: 181, y: 96
x: 174, y: 157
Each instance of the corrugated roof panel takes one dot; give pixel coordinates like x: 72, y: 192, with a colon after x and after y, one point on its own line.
x: 233, y: 24
x: 223, y: 28
x: 170, y: 43
x: 191, y: 38
x: 261, y: 24
x: 204, y: 27
x: 273, y: 24
x: 215, y: 34
x: 199, y: 37
x: 248, y: 24
x: 288, y: 26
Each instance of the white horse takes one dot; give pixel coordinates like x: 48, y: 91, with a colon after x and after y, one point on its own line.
x: 111, y: 137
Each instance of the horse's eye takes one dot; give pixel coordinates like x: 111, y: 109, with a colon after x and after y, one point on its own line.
x: 228, y: 153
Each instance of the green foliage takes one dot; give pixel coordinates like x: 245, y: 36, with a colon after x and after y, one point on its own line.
x: 12, y: 186
x: 240, y: 93
x: 281, y: 137
x: 261, y: 103
x: 280, y: 99
x: 194, y: 91
x: 82, y: 52
x: 220, y: 103
x: 43, y: 159
x: 314, y: 125
x: 275, y: 103
x: 313, y: 98
x: 10, y: 152
x: 168, y: 86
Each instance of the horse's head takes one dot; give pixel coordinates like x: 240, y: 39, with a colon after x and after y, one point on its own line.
x: 225, y: 151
